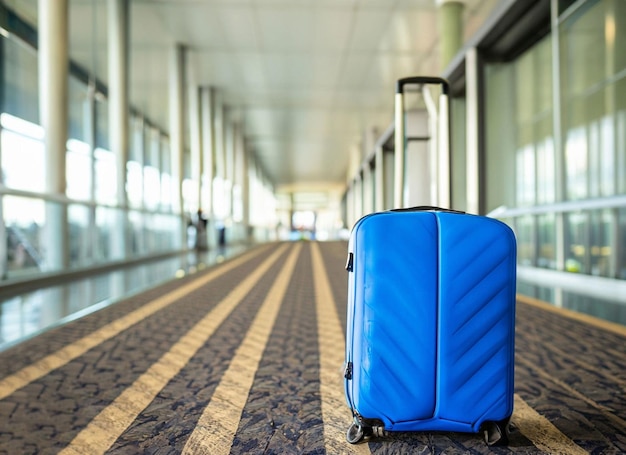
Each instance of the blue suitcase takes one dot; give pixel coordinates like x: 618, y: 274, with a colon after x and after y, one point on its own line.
x: 431, y: 324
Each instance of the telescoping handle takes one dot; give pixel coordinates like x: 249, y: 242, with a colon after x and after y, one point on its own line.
x: 423, y: 80
x: 441, y: 162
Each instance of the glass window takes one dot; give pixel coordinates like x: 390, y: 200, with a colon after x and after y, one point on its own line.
x: 137, y: 234
x: 546, y: 240
x: 620, y: 247
x: 600, y: 241
x: 607, y: 156
x: 151, y: 172
x: 102, y: 122
x: 134, y: 165
x: 620, y: 138
x: 152, y: 187
x: 601, y: 161
x: 79, y: 239
x: 576, y: 163
x: 525, y: 228
x: 166, y: 174
x: 546, y: 165
x: 23, y: 157
x: 525, y: 170
x: 134, y: 184
x: 576, y: 244
x: 190, y: 196
x: 189, y: 187
x: 24, y: 219
x: 592, y: 82
x: 108, y: 240
x: 238, y: 204
x: 519, y: 130
x: 500, y: 137
x: 220, y: 208
x: 78, y: 107
x: 136, y: 151
x: 165, y: 231
x: 20, y: 83
x: 106, y: 177
x: 79, y: 170
x: 582, y: 39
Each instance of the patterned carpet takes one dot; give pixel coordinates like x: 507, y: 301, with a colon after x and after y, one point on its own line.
x: 246, y: 356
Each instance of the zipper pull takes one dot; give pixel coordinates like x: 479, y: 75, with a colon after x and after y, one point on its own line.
x: 347, y: 372
x: 349, y: 262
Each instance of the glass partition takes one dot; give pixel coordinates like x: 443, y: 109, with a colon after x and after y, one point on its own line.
x: 80, y: 221
x: 23, y: 160
x: 24, y: 219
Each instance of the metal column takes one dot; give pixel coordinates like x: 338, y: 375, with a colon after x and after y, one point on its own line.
x: 53, y: 113
x: 197, y: 163
x: 207, y: 109
x: 207, y: 116
x: 118, y: 114
x: 451, y: 29
x: 177, y: 143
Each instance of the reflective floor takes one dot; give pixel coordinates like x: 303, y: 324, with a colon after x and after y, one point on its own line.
x: 610, y: 310
x: 26, y: 315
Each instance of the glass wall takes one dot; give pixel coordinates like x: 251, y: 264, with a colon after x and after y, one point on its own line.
x: 561, y: 172
x: 520, y: 148
x: 593, y: 104
x: 500, y: 138
x: 88, y: 218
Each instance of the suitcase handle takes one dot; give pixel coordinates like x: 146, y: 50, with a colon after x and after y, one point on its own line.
x: 423, y: 80
x: 442, y: 156
x: 423, y: 208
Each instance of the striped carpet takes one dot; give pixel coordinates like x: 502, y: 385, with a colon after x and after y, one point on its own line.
x: 246, y: 357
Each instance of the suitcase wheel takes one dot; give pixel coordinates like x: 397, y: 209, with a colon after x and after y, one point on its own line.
x: 364, y: 429
x: 355, y: 433
x: 496, y: 433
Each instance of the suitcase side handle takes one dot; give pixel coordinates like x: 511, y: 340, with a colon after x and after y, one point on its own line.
x: 424, y: 208
x: 423, y: 80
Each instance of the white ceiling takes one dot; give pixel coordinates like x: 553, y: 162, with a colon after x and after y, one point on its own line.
x: 307, y: 78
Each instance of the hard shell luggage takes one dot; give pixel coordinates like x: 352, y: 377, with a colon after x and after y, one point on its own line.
x: 431, y: 324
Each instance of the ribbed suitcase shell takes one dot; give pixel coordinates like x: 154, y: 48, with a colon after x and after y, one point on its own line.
x: 431, y: 317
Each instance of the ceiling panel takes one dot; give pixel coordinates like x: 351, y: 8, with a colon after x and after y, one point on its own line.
x: 387, y: 68
x: 369, y: 27
x: 146, y: 26
x: 218, y: 68
x: 410, y: 31
x: 289, y: 28
x: 332, y: 28
x: 240, y: 26
x: 308, y: 77
x: 251, y: 67
x: 354, y: 70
